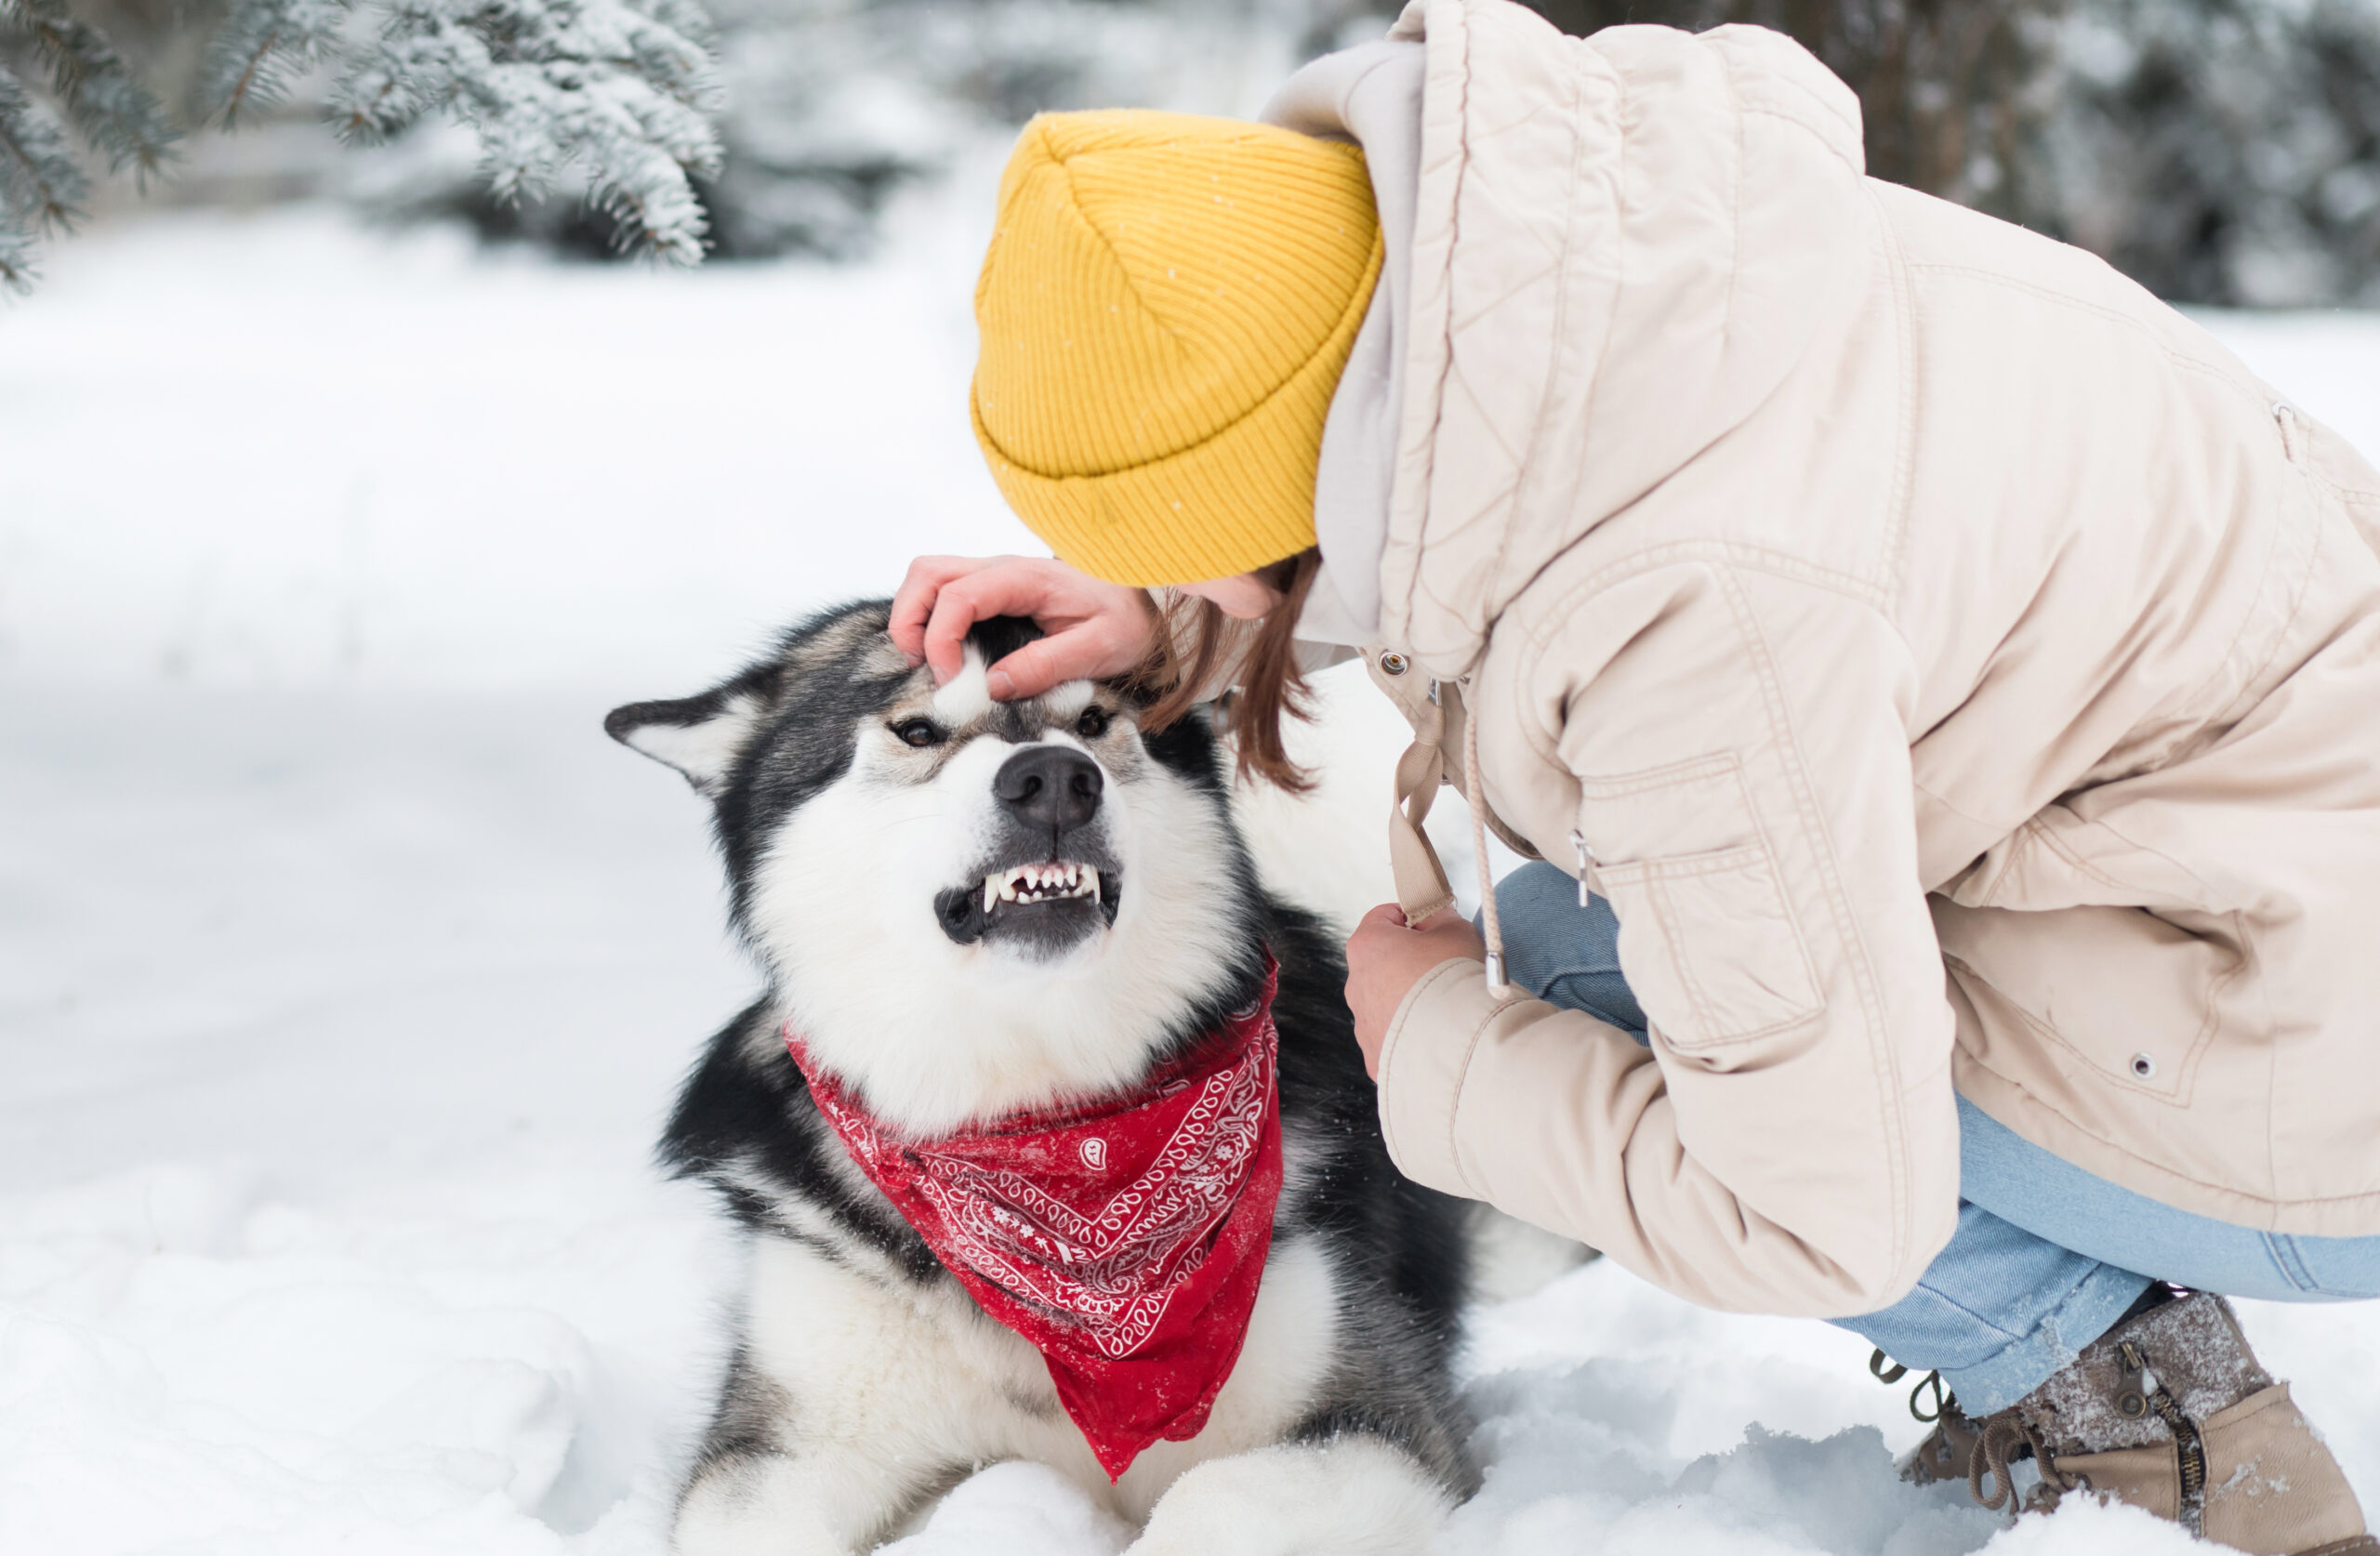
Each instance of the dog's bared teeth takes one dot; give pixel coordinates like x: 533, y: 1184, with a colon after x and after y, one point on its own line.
x: 1040, y: 883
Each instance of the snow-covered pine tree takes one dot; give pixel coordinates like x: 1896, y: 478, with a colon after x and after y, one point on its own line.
x: 833, y: 105
x: 620, y: 92
x: 2221, y: 151
x: 43, y: 184
x: 2218, y: 152
x: 1954, y: 93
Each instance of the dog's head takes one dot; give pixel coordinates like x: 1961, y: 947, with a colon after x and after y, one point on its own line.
x: 967, y: 906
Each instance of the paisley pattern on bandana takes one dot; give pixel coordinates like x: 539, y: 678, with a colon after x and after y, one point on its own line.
x: 1125, y: 1239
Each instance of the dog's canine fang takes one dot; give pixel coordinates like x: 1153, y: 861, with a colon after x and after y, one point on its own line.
x: 1040, y: 883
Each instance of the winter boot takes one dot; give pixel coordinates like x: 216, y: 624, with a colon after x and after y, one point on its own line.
x: 1947, y: 1451
x: 1949, y: 1447
x: 2170, y: 1412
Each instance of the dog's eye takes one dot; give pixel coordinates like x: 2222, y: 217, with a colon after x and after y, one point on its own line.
x: 919, y: 733
x: 1092, y: 724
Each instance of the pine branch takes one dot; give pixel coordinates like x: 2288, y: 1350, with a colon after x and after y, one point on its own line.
x: 114, y: 112
x: 622, y: 89
x: 17, y: 273
x: 41, y: 188
x: 262, y: 47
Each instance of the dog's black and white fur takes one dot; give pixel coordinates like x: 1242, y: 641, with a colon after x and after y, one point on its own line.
x: 882, y: 839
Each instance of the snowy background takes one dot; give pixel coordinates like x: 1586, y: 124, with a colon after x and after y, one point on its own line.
x: 346, y: 968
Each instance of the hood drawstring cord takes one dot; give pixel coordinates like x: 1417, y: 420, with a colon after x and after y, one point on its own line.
x: 1490, y: 923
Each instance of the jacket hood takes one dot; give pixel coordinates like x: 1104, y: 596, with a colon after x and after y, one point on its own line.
x: 1370, y: 95
x: 1621, y: 246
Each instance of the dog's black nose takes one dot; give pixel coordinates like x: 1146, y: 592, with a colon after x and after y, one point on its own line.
x: 1053, y: 786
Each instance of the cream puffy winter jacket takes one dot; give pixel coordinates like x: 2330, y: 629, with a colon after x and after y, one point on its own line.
x: 1954, y: 666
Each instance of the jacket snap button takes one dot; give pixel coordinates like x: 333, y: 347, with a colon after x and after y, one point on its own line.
x: 2143, y: 1066
x: 1391, y: 664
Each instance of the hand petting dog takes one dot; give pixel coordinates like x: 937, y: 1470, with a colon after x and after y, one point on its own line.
x: 1094, y: 630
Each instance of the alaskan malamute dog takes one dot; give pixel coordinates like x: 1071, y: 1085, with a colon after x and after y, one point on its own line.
x: 973, y: 912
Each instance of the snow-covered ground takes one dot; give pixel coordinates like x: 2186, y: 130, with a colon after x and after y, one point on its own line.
x: 345, y: 967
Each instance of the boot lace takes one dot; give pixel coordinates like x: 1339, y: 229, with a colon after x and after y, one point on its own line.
x: 2000, y: 1441
x: 1885, y: 1370
x: 2005, y: 1439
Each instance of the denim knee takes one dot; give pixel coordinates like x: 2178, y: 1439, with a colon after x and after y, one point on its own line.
x: 2061, y: 1203
x: 1999, y: 1310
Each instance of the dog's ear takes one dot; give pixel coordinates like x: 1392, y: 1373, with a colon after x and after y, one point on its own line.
x: 702, y: 737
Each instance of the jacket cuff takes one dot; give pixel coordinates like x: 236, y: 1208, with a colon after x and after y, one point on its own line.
x: 1422, y: 1062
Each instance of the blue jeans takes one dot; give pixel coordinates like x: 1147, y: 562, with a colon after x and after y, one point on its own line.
x: 2045, y: 1257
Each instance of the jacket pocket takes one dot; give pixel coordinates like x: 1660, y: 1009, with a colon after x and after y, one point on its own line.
x: 1705, y: 940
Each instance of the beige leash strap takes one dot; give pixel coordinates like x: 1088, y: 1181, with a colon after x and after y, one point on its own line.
x: 1421, y: 888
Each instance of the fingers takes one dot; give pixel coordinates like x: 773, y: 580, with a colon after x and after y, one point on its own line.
x: 1385, y: 936
x: 944, y: 642
x: 1106, y: 643
x: 1095, y: 629
x: 1044, y: 663
x: 1012, y: 588
x: 913, y: 603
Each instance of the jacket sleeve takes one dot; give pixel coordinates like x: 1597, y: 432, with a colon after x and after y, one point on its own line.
x: 1788, y: 1143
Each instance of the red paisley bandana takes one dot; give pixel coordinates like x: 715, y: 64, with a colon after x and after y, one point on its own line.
x: 1125, y: 1238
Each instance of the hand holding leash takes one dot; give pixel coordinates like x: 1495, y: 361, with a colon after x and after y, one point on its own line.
x: 1386, y: 957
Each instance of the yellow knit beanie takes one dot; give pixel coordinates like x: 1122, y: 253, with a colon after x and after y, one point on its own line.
x: 1165, y: 311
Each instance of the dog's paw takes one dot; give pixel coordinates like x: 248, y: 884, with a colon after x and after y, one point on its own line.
x: 758, y: 1505
x: 1017, y: 1506
x: 1351, y: 1497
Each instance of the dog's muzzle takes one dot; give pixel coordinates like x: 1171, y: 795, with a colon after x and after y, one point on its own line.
x: 1051, y: 880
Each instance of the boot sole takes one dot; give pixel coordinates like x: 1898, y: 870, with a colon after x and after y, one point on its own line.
x: 2363, y: 1545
